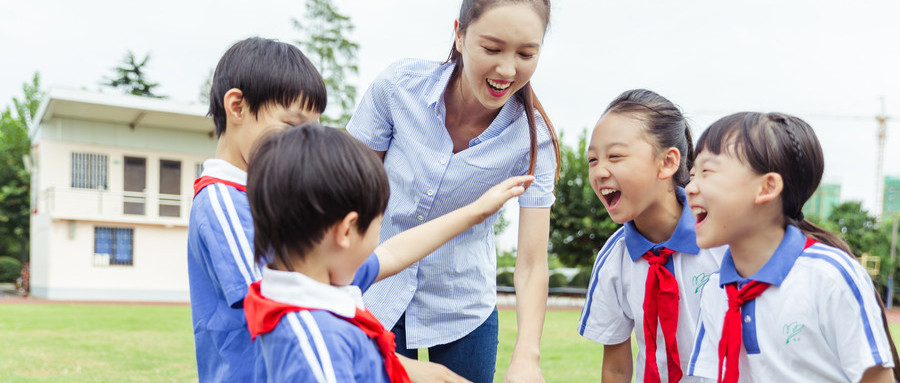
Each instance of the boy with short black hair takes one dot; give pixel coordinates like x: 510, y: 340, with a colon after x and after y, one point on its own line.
x: 312, y: 321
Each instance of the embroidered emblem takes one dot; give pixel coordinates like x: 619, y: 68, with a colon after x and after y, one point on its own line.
x: 792, y: 330
x: 699, y: 281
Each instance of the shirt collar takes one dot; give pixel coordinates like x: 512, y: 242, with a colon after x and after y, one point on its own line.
x: 683, y: 240
x: 224, y: 170
x: 299, y: 290
x: 436, y: 96
x: 776, y: 268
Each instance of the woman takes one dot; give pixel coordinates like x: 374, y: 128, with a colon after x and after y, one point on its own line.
x: 447, y: 132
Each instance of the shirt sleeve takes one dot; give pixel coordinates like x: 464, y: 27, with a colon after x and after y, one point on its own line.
x: 603, y: 318
x: 540, y: 193
x: 372, y: 123
x: 367, y: 273
x: 308, y: 352
x: 705, y: 353
x: 853, y: 325
x: 227, y: 233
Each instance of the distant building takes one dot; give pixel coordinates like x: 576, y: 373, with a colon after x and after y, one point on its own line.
x: 823, y: 201
x: 891, y: 200
x: 111, y: 182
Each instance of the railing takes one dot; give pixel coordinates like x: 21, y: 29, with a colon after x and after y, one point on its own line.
x: 117, y: 206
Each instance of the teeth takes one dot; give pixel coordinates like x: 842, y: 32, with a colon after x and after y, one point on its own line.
x: 698, y: 210
x: 499, y: 85
x: 607, y: 191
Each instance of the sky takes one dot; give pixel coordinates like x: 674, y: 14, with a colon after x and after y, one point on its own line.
x: 828, y: 62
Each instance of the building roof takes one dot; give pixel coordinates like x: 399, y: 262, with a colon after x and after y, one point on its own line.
x: 133, y: 111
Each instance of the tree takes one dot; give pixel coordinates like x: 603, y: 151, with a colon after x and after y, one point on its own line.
x: 203, y: 95
x: 15, y: 181
x: 579, y: 224
x: 325, y: 43
x: 855, y: 225
x: 131, y: 77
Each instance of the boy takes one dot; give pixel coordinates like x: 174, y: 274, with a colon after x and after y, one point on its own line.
x: 312, y: 325
x: 259, y: 85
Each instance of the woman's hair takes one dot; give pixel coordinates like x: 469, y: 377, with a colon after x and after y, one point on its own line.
x: 664, y: 123
x: 779, y: 143
x: 304, y: 180
x: 469, y: 12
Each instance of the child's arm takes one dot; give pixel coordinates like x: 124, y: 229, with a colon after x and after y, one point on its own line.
x: 878, y: 374
x: 420, y: 371
x: 406, y: 248
x: 617, y: 363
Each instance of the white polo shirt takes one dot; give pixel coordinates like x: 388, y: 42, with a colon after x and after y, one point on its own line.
x: 819, y: 321
x: 615, y: 298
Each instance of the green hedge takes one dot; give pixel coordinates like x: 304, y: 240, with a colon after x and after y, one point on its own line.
x: 505, y: 279
x: 10, y: 269
x: 582, y: 279
x: 558, y: 280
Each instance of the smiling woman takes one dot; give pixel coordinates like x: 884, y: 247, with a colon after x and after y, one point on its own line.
x: 446, y: 132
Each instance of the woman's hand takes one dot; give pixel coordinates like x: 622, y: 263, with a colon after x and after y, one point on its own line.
x: 521, y: 371
x: 493, y: 199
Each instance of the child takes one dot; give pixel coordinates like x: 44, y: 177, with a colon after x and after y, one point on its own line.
x: 312, y: 325
x: 259, y: 85
x: 651, y: 270
x: 789, y: 303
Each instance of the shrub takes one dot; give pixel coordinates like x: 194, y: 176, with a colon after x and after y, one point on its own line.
x: 505, y: 279
x: 582, y: 279
x: 557, y: 280
x: 10, y: 269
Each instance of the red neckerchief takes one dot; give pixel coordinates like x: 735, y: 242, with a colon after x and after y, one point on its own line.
x: 732, y: 330
x: 661, y: 302
x: 264, y: 314
x: 205, y: 181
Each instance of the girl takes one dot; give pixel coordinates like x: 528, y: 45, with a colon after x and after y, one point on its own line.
x: 789, y: 303
x: 650, y: 271
x: 447, y: 132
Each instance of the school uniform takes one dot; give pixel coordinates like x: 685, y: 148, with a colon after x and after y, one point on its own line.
x: 817, y: 321
x: 220, y: 267
x: 305, y: 335
x: 616, y: 296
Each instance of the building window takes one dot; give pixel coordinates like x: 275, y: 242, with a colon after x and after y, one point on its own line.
x: 113, y: 246
x: 89, y: 170
x: 198, y: 169
x: 169, y: 188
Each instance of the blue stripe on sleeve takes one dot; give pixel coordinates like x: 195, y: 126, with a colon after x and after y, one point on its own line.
x: 601, y: 259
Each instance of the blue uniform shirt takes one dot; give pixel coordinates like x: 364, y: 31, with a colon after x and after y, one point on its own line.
x: 453, y: 290
x: 220, y: 268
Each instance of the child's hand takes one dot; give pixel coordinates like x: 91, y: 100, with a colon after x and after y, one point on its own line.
x: 493, y: 199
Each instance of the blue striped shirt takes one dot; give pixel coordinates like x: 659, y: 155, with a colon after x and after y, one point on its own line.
x: 453, y: 290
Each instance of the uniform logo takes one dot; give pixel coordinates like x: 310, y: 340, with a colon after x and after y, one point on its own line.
x: 699, y: 281
x: 792, y: 331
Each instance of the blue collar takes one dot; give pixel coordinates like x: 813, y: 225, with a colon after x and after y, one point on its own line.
x: 776, y: 268
x: 683, y: 240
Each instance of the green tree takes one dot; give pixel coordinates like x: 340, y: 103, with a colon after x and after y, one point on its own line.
x: 325, y: 42
x: 131, y: 77
x: 15, y: 180
x: 579, y: 224
x: 855, y: 225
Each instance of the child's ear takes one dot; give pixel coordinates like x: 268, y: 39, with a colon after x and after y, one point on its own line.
x: 671, y: 161
x: 770, y: 186
x: 458, y: 39
x: 234, y: 104
x: 345, y: 230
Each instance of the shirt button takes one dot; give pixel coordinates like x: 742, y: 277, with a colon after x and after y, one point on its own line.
x: 747, y: 319
x: 443, y: 161
x: 420, y: 218
x: 430, y: 192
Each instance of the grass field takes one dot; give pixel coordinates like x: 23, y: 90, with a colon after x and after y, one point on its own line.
x: 112, y: 343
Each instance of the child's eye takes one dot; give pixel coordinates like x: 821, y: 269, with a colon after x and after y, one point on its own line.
x: 491, y: 51
x: 527, y: 55
x: 615, y: 156
x: 592, y: 160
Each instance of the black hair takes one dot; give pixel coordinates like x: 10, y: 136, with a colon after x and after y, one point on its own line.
x: 266, y: 71
x: 664, y: 123
x: 302, y: 181
x: 469, y: 12
x: 779, y: 143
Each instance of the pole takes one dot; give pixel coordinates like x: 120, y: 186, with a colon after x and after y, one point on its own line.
x: 879, y: 167
x: 890, y: 292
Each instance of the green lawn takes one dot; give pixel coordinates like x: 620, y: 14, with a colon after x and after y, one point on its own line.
x: 97, y: 343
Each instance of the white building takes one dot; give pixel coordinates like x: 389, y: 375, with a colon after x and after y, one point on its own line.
x: 112, y: 182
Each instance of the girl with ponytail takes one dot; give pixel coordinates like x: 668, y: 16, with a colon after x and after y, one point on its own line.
x: 447, y: 132
x: 789, y: 303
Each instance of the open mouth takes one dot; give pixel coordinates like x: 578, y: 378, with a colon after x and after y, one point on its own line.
x: 611, y: 196
x: 498, y: 88
x: 699, y: 213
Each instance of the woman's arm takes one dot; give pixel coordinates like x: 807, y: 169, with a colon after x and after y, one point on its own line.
x: 530, y: 279
x: 617, y: 363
